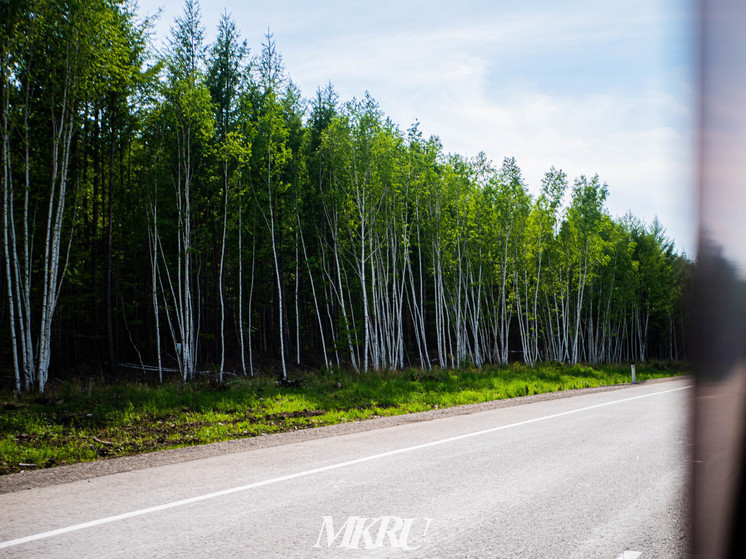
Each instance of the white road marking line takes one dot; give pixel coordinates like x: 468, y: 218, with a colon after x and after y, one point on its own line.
x: 630, y: 555
x: 272, y: 481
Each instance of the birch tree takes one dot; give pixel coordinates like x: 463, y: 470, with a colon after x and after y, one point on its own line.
x: 270, y: 157
x: 224, y: 78
x: 188, y: 115
x: 585, y: 217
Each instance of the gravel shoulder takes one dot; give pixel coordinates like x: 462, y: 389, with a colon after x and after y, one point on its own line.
x: 87, y: 470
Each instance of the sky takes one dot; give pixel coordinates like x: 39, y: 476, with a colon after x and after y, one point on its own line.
x: 590, y: 87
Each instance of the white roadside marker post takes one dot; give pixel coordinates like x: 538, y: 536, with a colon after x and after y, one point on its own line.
x: 634, y: 381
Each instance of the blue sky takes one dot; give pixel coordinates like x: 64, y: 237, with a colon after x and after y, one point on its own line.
x: 586, y: 86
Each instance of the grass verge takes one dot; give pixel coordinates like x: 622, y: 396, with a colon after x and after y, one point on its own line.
x: 75, y: 422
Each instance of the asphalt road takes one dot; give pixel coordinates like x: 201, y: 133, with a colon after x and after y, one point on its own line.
x: 599, y: 475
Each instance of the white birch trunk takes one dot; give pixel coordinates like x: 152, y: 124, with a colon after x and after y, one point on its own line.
x: 10, y: 251
x: 154, y: 286
x: 251, y: 300
x: 222, y: 271
x: 240, y: 287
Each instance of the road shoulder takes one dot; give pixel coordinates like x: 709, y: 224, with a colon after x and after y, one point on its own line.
x: 87, y: 470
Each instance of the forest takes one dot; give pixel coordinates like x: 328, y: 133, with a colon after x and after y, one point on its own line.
x: 186, y: 210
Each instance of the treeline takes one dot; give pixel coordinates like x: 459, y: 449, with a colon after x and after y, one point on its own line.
x: 189, y: 210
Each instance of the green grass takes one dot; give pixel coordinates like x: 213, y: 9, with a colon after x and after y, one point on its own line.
x: 76, y: 422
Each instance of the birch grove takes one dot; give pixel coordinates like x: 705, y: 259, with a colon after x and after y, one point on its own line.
x: 249, y: 230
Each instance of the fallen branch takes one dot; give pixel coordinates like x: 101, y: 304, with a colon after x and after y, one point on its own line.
x: 149, y: 368
x: 105, y: 443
